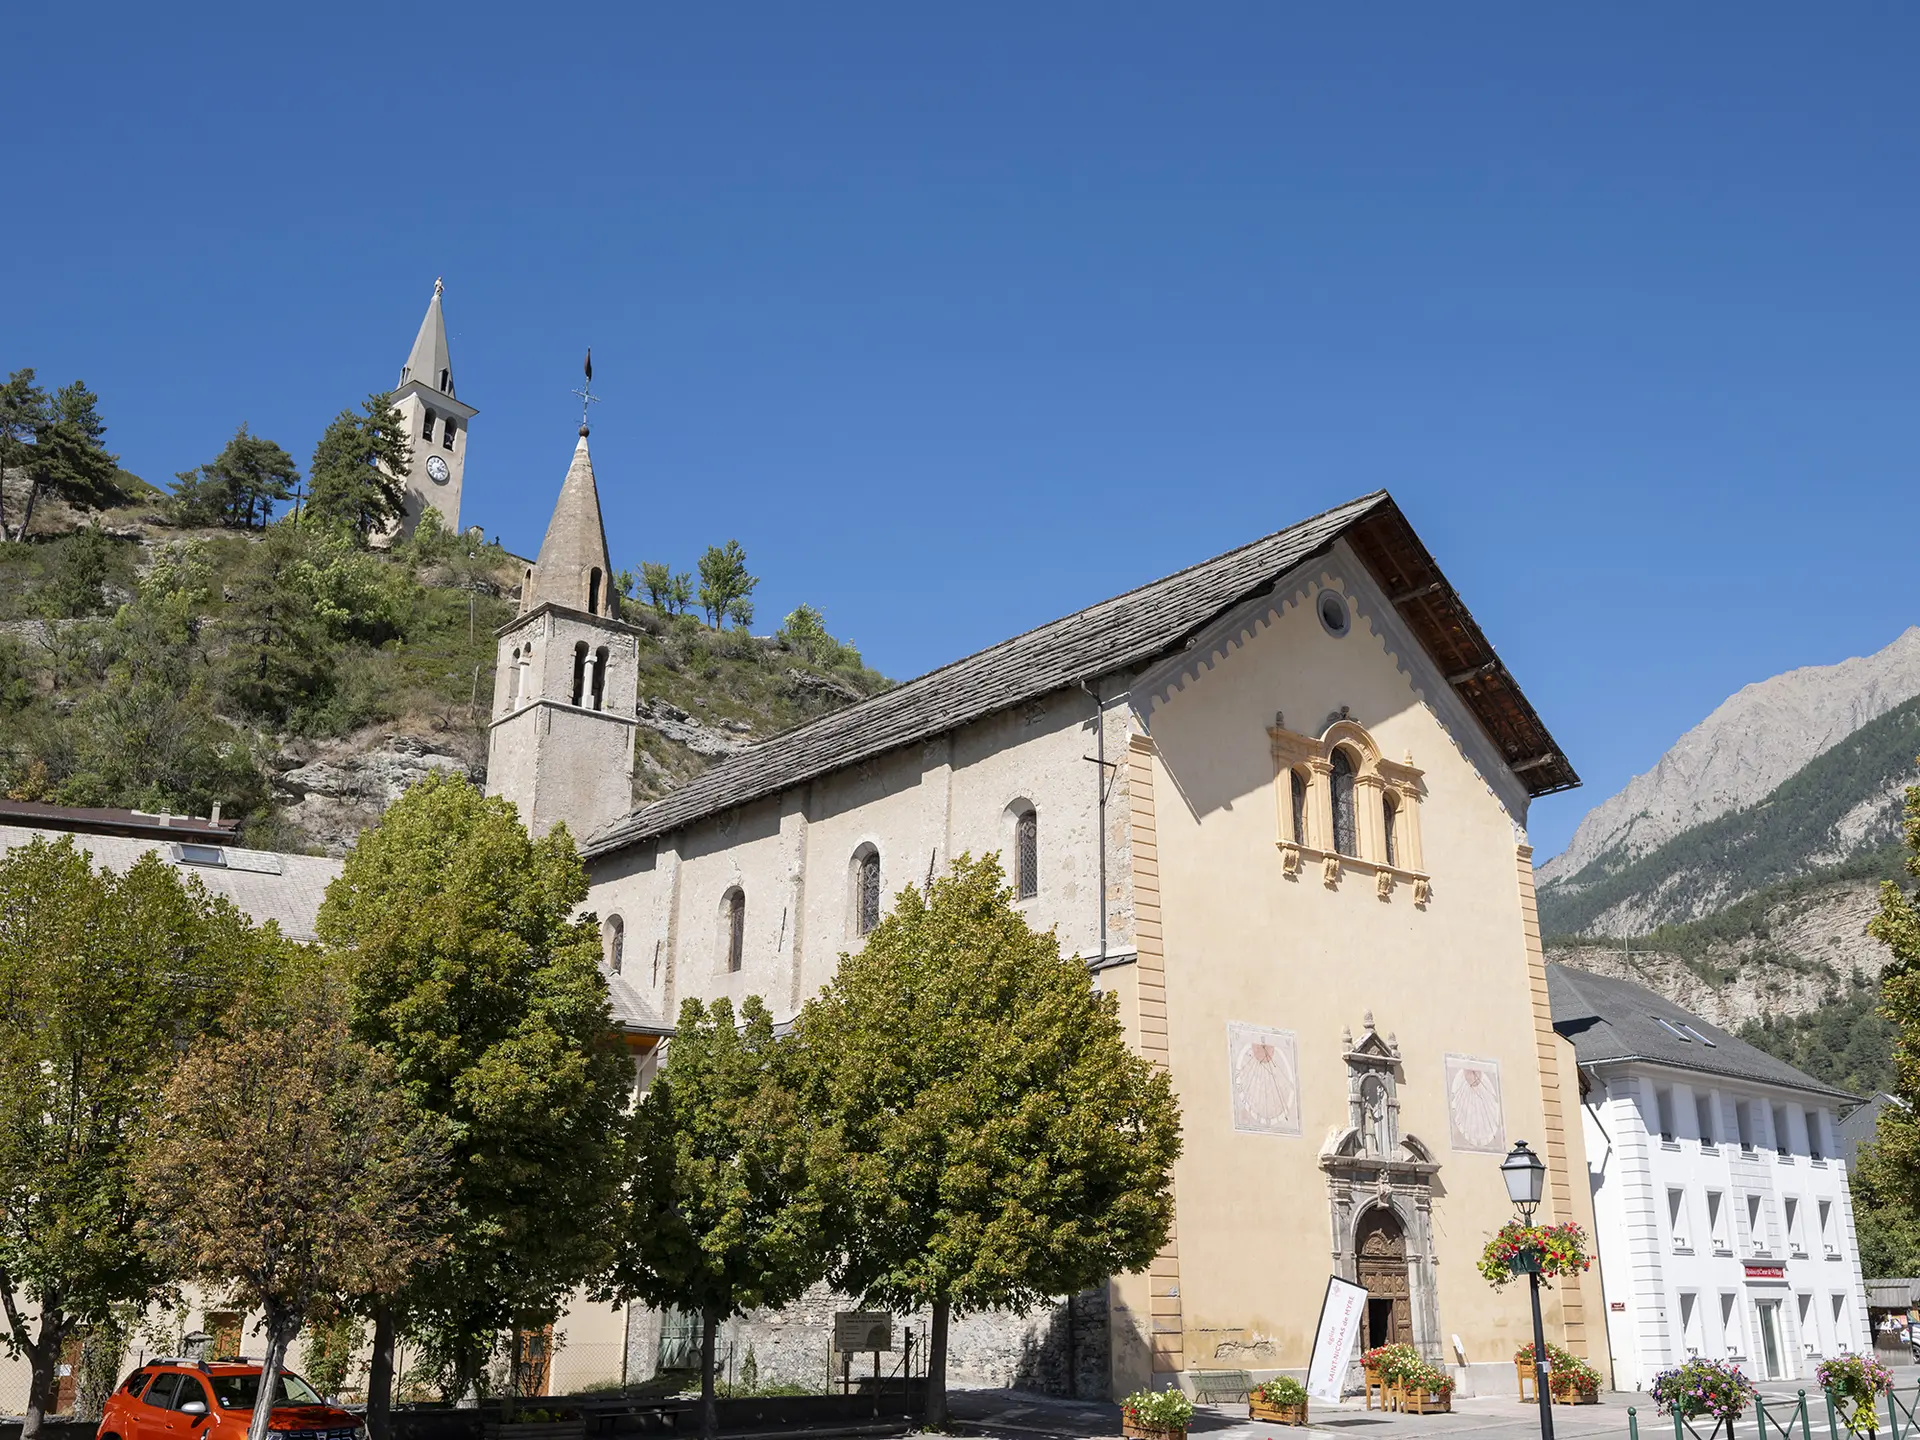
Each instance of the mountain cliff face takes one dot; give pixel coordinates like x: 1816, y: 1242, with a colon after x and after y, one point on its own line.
x: 1738, y: 755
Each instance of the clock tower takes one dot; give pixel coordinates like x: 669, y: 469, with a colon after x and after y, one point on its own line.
x: 435, y: 421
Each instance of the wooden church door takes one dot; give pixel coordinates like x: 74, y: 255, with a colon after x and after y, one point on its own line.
x: 1380, y: 1253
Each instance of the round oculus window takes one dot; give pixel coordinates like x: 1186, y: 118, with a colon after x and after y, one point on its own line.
x: 1332, y: 608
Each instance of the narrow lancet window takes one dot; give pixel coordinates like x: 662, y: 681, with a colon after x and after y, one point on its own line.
x: 736, y: 923
x: 1345, y: 832
x: 599, y: 677
x: 867, y: 896
x: 1389, y: 813
x: 593, y: 591
x: 579, y: 672
x: 1027, y: 854
x: 1300, y: 807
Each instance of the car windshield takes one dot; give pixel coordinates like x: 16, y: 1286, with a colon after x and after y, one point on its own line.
x: 238, y: 1392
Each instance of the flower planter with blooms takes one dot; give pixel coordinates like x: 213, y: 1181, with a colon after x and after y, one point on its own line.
x: 1279, y: 1402
x: 1562, y: 1250
x: 1156, y: 1415
x: 1570, y: 1380
x: 1425, y: 1389
x: 1712, y: 1388
x: 1856, y: 1383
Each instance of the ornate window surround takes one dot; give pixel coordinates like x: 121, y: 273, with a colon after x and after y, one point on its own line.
x: 1377, y: 781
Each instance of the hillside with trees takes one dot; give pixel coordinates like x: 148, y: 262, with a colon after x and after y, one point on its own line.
x: 249, y: 639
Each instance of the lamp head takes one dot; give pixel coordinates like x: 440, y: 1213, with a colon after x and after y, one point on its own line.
x: 1526, y: 1177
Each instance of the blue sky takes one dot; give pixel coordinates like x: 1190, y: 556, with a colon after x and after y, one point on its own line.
x: 960, y: 318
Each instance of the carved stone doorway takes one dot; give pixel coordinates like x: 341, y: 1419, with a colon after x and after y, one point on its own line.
x: 1380, y: 1265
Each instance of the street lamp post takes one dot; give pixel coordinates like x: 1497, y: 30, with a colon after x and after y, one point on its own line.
x: 1526, y: 1177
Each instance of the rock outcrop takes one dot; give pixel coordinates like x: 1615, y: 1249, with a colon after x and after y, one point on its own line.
x: 337, y: 794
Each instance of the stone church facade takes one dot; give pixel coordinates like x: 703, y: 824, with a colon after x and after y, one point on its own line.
x: 1277, y: 803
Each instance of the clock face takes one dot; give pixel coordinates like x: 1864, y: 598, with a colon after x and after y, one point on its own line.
x: 437, y: 468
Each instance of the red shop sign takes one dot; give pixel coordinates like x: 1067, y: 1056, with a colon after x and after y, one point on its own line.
x: 1766, y: 1272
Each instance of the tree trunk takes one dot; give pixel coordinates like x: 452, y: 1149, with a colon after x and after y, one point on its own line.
x: 33, y: 494
x: 937, y: 1367
x: 280, y: 1332
x: 709, y: 1409
x: 43, y: 1359
x: 380, y: 1375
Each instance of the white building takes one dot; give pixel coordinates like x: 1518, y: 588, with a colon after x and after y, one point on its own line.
x: 1725, y: 1227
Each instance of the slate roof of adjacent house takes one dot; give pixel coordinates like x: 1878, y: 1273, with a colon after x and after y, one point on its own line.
x: 1614, y: 1022
x: 286, y: 889
x: 1132, y: 629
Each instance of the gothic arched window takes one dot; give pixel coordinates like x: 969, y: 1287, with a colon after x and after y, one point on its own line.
x: 866, y: 889
x: 733, y: 917
x: 1345, y: 833
x: 1299, y: 787
x: 615, y: 939
x: 1389, y: 813
x: 1026, y: 854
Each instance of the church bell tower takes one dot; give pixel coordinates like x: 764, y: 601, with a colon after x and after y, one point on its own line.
x: 567, y: 684
x: 435, y: 422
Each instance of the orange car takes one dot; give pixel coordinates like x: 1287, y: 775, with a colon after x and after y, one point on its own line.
x: 213, y: 1400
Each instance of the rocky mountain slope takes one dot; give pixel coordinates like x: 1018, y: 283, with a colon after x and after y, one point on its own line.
x: 1740, y: 753
x: 1738, y: 876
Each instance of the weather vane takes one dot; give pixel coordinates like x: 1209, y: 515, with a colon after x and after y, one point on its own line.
x: 585, y: 392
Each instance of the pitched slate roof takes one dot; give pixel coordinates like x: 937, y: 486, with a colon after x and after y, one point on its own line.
x: 1612, y: 1022
x: 1128, y: 630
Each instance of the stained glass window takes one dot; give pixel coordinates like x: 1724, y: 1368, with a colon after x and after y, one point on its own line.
x: 869, y: 891
x: 1027, y: 853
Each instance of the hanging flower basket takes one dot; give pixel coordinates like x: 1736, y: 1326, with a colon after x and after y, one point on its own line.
x: 1712, y: 1388
x: 1544, y: 1250
x: 1856, y: 1383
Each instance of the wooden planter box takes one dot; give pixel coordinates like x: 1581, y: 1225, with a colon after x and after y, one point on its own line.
x: 1374, y: 1386
x: 539, y: 1430
x: 1278, y: 1414
x: 1426, y: 1402
x: 1135, y: 1431
x: 1568, y: 1395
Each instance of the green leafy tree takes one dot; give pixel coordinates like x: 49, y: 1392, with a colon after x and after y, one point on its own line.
x: 289, y: 1168
x: 657, y: 580
x: 104, y: 978
x: 1890, y: 1167
x: 238, y: 487
x: 727, y: 1191
x: 473, y: 974
x: 724, y: 581
x: 1004, y: 1144
x: 355, y: 480
x: 680, y: 592
x: 24, y: 411
x: 69, y: 460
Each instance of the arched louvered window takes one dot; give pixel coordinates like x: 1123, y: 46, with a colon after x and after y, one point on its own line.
x: 616, y: 942
x: 733, y: 919
x: 579, y: 672
x: 1026, y: 854
x: 1389, y: 815
x: 1299, y: 779
x: 599, y: 677
x: 866, y: 897
x: 1345, y: 832
x: 593, y: 591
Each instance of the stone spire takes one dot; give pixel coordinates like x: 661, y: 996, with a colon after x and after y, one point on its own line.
x: 573, y: 568
x: 428, y: 363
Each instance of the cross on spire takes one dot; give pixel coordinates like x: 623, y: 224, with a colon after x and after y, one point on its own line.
x: 585, y: 392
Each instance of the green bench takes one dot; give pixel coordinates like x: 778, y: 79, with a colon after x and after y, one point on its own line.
x: 1212, y: 1386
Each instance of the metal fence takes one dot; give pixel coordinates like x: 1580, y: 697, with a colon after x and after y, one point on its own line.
x: 1779, y: 1418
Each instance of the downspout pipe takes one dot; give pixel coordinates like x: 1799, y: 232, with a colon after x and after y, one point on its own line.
x: 1099, y: 756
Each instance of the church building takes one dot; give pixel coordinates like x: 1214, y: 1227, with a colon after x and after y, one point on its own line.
x: 435, y: 421
x: 1276, y: 801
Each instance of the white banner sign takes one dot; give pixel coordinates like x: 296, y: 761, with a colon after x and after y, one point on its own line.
x: 1340, y: 1316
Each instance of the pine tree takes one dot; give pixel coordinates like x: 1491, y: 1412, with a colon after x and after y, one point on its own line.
x: 240, y: 486
x: 1004, y: 1144
x: 727, y: 1194
x: 69, y: 460
x: 355, y: 480
x: 24, y: 410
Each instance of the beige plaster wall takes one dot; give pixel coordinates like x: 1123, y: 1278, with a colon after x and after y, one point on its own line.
x: 793, y: 856
x: 1245, y: 943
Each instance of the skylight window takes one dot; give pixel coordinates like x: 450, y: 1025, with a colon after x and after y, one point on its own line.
x: 200, y: 855
x: 1696, y: 1034
x: 1674, y: 1030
